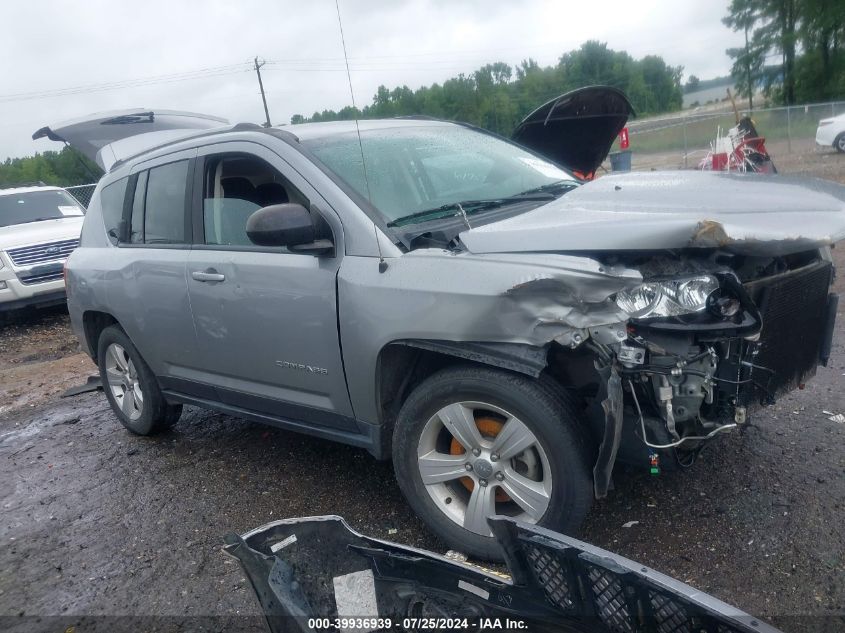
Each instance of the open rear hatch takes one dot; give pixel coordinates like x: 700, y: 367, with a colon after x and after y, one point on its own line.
x: 576, y: 129
x: 107, y: 137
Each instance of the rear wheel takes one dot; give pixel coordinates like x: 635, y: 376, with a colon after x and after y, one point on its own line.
x: 471, y: 443
x: 130, y: 386
x: 839, y: 143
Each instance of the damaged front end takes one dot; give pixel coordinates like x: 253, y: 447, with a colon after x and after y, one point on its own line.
x: 711, y: 337
x: 315, y: 573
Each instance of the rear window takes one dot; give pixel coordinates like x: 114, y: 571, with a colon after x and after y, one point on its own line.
x: 111, y: 200
x: 35, y: 206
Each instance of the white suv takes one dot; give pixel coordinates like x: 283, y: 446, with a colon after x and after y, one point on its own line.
x: 39, y: 227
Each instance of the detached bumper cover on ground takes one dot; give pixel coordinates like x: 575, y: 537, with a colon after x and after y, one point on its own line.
x: 318, y: 567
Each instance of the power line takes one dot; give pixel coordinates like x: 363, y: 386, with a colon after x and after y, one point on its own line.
x: 200, y: 73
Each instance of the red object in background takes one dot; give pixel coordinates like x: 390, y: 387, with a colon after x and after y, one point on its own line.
x: 623, y: 139
x: 720, y: 162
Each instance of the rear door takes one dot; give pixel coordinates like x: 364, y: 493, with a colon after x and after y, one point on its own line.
x: 266, y: 318
x: 150, y: 295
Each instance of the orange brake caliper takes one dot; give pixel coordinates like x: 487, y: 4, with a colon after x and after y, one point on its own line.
x: 489, y: 428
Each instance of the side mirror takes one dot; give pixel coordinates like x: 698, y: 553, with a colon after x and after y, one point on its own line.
x: 280, y: 225
x: 288, y: 225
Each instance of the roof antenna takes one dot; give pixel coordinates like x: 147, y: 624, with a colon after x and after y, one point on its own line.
x: 382, y: 264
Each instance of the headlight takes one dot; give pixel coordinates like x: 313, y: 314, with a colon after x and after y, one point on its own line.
x: 668, y: 298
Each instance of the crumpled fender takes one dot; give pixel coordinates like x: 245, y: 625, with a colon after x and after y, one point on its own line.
x: 435, y: 295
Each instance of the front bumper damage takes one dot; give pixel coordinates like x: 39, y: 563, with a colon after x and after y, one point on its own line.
x: 669, y: 386
x: 312, y: 573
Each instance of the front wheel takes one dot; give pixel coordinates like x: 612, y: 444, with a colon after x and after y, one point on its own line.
x: 473, y: 442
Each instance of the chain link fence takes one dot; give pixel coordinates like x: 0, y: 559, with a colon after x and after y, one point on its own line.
x: 82, y: 193
x: 681, y: 141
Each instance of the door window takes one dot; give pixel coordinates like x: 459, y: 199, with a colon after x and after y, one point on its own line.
x: 158, y: 205
x: 235, y: 187
x: 164, y: 216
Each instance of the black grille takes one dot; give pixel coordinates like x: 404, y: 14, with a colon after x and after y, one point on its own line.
x: 610, y: 600
x: 51, y: 251
x: 794, y: 310
x: 599, y: 591
x: 551, y: 575
x: 670, y: 616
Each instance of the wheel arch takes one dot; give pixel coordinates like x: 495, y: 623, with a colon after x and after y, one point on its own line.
x: 405, y: 363
x: 93, y: 324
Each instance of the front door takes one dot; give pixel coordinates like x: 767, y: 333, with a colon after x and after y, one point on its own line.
x: 265, y: 318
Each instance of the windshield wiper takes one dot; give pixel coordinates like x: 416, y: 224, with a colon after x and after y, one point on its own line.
x: 552, y: 187
x: 454, y: 209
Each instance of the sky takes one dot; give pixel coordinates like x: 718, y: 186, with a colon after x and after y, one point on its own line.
x: 63, y: 59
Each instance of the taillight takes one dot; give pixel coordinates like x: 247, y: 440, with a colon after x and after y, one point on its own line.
x: 823, y: 123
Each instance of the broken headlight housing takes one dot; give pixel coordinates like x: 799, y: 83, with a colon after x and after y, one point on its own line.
x: 673, y: 297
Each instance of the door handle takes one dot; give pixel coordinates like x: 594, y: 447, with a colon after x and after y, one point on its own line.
x: 208, y: 274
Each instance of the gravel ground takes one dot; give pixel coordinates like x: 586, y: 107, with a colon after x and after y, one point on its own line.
x: 97, y: 522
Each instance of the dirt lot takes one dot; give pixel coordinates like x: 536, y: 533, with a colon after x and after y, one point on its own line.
x: 96, y: 522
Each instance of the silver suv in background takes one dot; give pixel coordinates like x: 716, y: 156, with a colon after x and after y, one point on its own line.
x: 453, y: 300
x: 39, y: 228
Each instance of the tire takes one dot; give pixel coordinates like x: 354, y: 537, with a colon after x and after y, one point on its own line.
x: 548, y: 483
x: 839, y: 143
x: 120, y: 362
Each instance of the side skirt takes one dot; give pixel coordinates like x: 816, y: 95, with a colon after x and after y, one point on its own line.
x: 369, y: 439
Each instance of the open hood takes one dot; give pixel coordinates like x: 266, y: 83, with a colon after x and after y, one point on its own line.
x: 102, y: 137
x: 576, y: 129
x: 741, y: 213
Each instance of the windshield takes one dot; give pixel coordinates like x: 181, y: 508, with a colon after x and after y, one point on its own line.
x: 33, y: 206
x: 412, y: 169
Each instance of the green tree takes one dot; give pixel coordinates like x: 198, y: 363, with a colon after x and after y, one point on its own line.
x: 820, y: 71
x: 497, y: 96
x: 64, y: 168
x: 692, y: 84
x: 808, y: 36
x: 749, y: 60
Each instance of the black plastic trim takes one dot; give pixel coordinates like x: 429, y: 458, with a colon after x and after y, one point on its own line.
x: 525, y: 359
x: 369, y: 442
x: 38, y: 301
x: 827, y: 341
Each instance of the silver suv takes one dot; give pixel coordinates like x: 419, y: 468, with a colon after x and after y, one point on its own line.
x: 454, y: 301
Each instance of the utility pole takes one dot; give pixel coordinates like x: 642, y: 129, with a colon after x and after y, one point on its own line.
x: 748, y: 72
x: 261, y: 85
